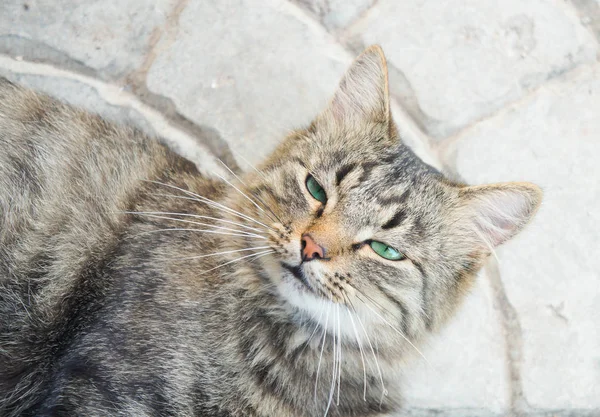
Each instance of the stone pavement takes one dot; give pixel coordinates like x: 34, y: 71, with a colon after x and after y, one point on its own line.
x: 485, y: 90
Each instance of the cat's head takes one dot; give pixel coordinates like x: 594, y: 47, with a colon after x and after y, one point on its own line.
x: 358, y: 220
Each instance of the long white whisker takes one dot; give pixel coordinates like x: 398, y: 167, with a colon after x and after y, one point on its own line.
x: 395, y: 329
x: 216, y: 206
x: 383, y: 309
x: 206, y: 200
x: 362, y: 357
x: 243, y: 194
x: 261, y: 255
x: 156, y: 216
x: 196, y: 216
x: 321, y: 354
x: 259, y: 172
x: 187, y: 229
x: 333, y: 369
x: 231, y: 172
x: 223, y: 207
x: 238, y: 259
x: 222, y: 253
x: 383, y: 390
x: 255, y: 196
x: 174, y: 187
x: 307, y: 343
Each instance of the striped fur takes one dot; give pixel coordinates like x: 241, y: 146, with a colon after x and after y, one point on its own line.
x: 125, y: 291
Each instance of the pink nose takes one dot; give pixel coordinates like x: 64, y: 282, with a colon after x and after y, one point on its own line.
x: 310, y: 249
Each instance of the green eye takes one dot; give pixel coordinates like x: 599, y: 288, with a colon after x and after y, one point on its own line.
x: 386, y: 251
x: 315, y: 189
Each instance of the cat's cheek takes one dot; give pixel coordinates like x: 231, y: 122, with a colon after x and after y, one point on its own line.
x: 291, y: 253
x: 273, y: 269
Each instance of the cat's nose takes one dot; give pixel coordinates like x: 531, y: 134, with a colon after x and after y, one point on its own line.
x: 310, y: 249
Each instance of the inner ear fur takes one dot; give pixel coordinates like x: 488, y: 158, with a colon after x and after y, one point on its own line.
x: 495, y: 213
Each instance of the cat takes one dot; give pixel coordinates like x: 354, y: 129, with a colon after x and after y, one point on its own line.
x: 131, y: 285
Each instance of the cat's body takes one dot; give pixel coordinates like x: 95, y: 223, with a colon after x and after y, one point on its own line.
x: 123, y: 291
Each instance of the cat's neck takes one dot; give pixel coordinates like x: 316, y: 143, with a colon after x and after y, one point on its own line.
x: 289, y: 358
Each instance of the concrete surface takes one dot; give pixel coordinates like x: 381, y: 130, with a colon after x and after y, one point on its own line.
x: 487, y: 90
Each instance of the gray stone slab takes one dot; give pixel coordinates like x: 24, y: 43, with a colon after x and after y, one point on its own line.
x: 253, y: 70
x: 465, y: 59
x: 552, y: 271
x: 109, y: 36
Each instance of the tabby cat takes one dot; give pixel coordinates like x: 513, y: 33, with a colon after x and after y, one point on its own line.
x: 131, y: 285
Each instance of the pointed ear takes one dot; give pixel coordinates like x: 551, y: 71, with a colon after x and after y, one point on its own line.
x: 492, y: 214
x: 363, y: 92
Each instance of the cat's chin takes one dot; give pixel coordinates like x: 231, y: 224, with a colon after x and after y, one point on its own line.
x: 300, y: 277
x: 296, y: 289
x: 328, y: 314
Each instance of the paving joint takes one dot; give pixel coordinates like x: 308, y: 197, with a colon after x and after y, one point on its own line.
x: 444, y: 147
x: 513, y: 338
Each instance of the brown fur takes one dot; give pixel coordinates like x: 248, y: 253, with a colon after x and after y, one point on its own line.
x: 123, y: 290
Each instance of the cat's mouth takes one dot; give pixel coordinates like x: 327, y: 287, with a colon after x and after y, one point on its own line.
x: 298, y: 273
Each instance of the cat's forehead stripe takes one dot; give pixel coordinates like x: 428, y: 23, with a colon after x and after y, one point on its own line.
x: 343, y: 172
x: 394, y: 199
x: 396, y: 220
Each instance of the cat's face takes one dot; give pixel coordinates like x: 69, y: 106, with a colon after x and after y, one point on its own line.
x: 360, y: 226
x: 358, y: 221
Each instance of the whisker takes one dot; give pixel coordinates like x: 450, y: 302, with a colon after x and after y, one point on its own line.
x: 221, y: 207
x: 393, y: 328
x: 193, y: 222
x: 259, y: 172
x: 242, y: 193
x: 362, y: 356
x: 383, y: 390
x: 260, y: 256
x: 206, y: 200
x: 196, y: 216
x: 322, y: 348
x: 214, y: 204
x: 333, y: 369
x: 187, y: 229
x: 253, y: 195
x: 307, y: 343
x: 386, y: 309
x: 209, y: 203
x: 222, y: 253
x: 238, y: 259
x: 249, y: 164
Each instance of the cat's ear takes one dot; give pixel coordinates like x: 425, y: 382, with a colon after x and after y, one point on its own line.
x: 492, y: 214
x: 363, y: 92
